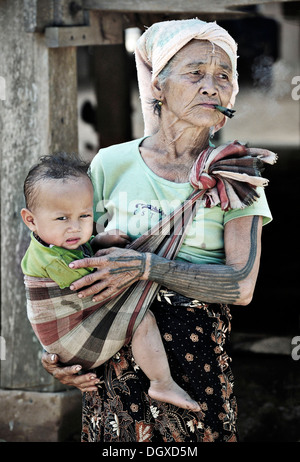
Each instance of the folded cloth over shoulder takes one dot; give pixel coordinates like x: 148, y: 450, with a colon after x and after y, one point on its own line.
x: 230, y: 174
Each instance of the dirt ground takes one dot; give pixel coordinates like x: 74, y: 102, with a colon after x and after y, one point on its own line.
x: 267, y: 388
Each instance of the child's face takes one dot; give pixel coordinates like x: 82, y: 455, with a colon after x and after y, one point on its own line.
x: 63, y: 215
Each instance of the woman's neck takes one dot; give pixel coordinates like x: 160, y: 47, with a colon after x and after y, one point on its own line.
x: 181, y: 140
x: 171, y: 154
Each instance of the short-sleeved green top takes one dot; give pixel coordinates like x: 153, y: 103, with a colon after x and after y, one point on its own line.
x: 129, y: 196
x: 52, y: 262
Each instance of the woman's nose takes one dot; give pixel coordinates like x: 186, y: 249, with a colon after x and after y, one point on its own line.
x: 208, y: 86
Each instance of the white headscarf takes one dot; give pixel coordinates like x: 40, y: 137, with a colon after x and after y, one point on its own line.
x: 161, y: 42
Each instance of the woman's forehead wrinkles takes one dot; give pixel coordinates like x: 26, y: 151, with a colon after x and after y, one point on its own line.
x: 198, y: 64
x: 199, y: 54
x: 194, y: 64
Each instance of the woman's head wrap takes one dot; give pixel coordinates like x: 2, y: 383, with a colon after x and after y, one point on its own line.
x: 161, y: 42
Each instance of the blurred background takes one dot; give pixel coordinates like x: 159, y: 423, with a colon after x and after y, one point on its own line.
x: 92, y: 91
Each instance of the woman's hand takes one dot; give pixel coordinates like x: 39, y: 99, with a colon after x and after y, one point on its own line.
x: 112, y: 238
x: 68, y: 375
x: 116, y: 269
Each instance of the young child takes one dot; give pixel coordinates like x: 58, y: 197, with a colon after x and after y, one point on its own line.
x: 59, y: 212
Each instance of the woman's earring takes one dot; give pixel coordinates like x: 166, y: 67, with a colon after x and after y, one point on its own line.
x: 157, y: 106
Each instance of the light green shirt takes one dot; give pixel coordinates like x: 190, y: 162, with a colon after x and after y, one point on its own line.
x: 129, y: 196
x: 53, y: 262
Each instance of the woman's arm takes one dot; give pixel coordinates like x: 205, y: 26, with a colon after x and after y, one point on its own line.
x: 231, y: 283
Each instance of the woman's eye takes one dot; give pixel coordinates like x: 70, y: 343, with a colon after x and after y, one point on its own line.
x: 224, y: 76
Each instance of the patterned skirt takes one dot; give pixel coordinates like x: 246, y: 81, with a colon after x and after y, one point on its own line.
x: 195, y: 341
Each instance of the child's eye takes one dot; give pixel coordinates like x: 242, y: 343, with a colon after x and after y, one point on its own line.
x: 85, y: 215
x: 61, y: 218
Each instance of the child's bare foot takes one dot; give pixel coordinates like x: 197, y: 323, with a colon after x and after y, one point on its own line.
x: 172, y: 393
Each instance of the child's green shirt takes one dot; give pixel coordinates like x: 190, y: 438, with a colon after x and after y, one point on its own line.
x: 53, y: 262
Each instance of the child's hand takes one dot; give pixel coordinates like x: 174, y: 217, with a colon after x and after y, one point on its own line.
x: 112, y: 238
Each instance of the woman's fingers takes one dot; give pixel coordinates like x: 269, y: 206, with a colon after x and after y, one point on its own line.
x: 97, y: 288
x: 88, y: 280
x: 68, y: 375
x: 116, y: 270
x: 108, y: 293
x: 93, y: 262
x: 84, y: 382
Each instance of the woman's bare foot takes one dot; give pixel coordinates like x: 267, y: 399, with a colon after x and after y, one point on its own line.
x: 172, y: 393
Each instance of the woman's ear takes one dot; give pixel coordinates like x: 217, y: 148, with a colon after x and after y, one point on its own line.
x: 157, y: 90
x: 28, y: 219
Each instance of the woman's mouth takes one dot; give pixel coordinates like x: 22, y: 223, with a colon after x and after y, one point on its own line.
x: 224, y: 110
x: 208, y: 105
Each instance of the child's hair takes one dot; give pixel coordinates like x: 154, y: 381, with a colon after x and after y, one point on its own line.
x: 58, y: 166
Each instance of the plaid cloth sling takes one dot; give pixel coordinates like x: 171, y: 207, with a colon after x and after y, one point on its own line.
x: 84, y: 332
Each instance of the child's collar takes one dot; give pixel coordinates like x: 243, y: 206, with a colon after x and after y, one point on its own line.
x: 40, y: 240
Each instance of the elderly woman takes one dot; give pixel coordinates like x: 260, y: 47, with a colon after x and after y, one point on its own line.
x: 185, y: 69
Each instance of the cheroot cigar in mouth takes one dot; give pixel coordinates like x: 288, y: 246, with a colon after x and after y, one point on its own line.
x: 228, y: 112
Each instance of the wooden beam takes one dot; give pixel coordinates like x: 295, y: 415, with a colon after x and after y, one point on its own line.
x: 171, y: 6
x: 39, y: 14
x: 104, y: 29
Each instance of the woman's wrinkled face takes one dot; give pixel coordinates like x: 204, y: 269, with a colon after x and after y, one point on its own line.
x: 200, y: 76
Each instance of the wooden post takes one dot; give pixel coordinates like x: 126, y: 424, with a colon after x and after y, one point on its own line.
x: 37, y: 117
x: 63, y: 117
